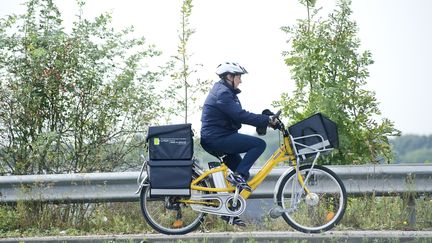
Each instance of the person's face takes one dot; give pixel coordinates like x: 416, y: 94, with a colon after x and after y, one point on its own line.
x: 235, y: 79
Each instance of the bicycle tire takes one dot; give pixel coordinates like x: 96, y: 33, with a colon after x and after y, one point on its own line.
x: 325, y: 187
x: 161, y: 218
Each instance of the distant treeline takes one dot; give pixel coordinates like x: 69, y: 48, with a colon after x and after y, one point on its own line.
x: 412, y: 149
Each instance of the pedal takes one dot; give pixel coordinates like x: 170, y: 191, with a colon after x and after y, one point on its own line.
x: 231, y: 221
x: 276, y: 212
x: 245, y: 186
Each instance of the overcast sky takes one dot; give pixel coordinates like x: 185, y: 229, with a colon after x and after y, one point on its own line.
x: 397, y: 32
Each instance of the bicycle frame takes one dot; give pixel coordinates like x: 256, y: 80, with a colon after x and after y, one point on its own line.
x: 283, y: 153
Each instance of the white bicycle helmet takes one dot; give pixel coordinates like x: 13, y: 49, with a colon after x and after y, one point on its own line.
x: 230, y: 67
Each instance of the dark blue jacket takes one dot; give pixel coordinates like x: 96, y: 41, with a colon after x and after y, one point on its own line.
x: 223, y: 114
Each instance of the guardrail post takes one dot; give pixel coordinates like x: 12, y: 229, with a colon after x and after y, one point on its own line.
x: 410, y: 200
x: 411, y: 207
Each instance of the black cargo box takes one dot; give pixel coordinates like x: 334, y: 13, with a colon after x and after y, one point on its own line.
x: 170, y: 142
x: 315, y: 124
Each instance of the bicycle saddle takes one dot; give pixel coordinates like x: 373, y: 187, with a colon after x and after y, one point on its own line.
x: 217, y: 154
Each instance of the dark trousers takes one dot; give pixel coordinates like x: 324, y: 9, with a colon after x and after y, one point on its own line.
x: 233, y: 145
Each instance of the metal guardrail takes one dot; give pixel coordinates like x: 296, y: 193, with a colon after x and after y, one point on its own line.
x: 116, y: 187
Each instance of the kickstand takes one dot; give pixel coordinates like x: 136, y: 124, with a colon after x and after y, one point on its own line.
x: 178, y: 223
x: 179, y: 214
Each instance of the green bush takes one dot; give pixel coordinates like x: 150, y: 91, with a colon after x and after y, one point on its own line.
x: 8, y: 219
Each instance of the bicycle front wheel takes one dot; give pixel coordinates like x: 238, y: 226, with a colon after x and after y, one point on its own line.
x: 315, y: 211
x: 169, y: 216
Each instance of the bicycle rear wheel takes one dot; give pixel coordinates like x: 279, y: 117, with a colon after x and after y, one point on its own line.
x: 317, y: 211
x: 169, y: 216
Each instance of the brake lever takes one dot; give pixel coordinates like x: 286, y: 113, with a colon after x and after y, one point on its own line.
x: 275, y: 117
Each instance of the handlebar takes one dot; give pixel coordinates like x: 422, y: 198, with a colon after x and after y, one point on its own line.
x: 279, y: 125
x: 276, y: 116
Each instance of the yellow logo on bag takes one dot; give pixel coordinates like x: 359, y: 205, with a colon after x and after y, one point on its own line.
x: 156, y: 141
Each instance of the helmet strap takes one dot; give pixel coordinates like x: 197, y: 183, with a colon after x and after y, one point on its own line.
x: 229, y: 81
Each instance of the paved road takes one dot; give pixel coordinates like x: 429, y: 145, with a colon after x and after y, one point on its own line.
x: 249, y: 237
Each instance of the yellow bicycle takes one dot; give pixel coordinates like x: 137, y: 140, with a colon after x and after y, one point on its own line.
x: 310, y: 197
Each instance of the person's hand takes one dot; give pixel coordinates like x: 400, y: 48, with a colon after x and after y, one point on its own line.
x: 273, y: 123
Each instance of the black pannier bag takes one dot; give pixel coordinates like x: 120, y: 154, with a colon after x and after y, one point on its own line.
x: 315, y: 124
x: 170, y: 142
x: 170, y: 177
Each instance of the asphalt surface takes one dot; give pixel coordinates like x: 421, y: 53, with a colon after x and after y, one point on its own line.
x: 248, y: 237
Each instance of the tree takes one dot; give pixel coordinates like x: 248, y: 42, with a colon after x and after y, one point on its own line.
x: 329, y: 73
x: 184, y: 89
x: 71, y: 102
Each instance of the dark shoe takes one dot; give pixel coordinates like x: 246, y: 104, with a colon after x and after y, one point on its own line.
x: 237, y: 180
x: 234, y: 221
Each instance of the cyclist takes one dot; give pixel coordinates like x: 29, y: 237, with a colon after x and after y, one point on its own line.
x: 222, y: 117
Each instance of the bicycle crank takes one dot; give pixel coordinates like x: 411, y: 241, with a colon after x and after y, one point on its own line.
x: 226, y: 205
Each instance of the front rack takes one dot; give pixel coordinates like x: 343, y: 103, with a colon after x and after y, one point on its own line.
x: 304, y: 151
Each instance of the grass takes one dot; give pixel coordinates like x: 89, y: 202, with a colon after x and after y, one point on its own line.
x: 386, y: 213
x: 36, y: 219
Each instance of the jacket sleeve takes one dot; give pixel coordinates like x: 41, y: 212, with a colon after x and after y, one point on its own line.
x: 226, y: 103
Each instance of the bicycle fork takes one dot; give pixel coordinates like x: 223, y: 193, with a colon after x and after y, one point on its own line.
x: 298, y: 188
x: 277, y: 211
